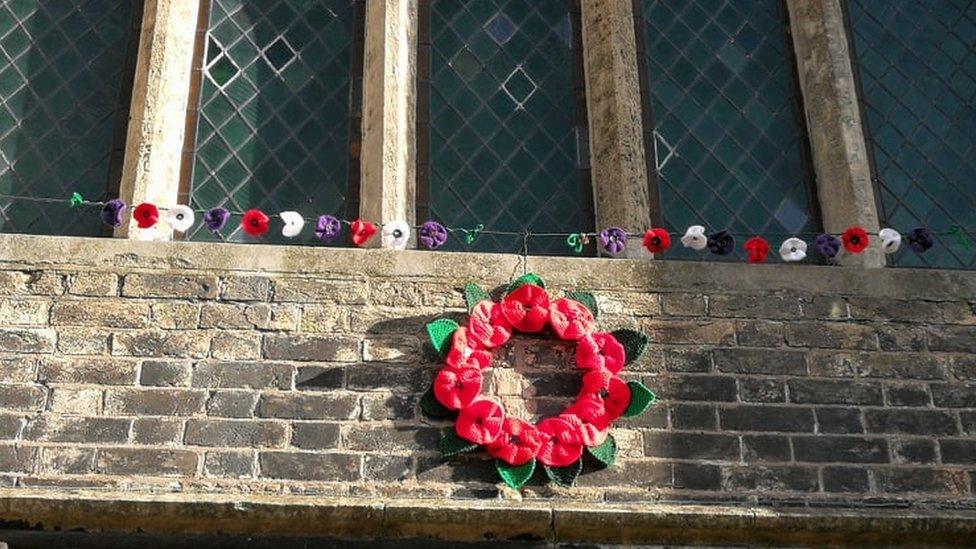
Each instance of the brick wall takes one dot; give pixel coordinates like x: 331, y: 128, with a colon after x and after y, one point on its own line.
x: 233, y: 369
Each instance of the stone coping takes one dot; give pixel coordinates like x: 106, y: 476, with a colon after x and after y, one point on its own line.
x: 469, y: 521
x: 35, y: 252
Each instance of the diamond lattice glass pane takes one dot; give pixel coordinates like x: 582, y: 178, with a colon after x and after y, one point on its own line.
x: 505, y: 122
x: 730, y: 144
x: 64, y: 100
x: 275, y: 112
x: 916, y: 61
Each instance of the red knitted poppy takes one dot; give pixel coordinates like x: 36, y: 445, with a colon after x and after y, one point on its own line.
x: 527, y: 308
x: 657, y: 240
x: 362, y: 231
x: 856, y: 240
x: 601, y: 351
x: 757, y: 248
x: 456, y: 388
x: 481, y: 421
x: 570, y: 319
x: 146, y: 215
x: 518, y: 444
x: 255, y: 222
x: 488, y: 325
x: 562, y: 443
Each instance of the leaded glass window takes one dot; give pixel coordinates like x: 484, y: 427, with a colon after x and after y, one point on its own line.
x: 916, y: 61
x: 728, y: 141
x: 279, y: 101
x: 66, y: 70
x: 502, y: 121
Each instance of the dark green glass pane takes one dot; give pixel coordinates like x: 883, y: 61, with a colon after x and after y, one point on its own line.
x: 63, y: 98
x: 504, y: 127
x: 916, y: 62
x: 730, y: 147
x: 275, y: 112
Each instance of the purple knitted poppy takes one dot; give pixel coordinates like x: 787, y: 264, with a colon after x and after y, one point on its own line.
x: 827, y: 245
x: 216, y: 218
x: 920, y: 240
x: 327, y: 228
x: 614, y: 240
x: 432, y: 235
x: 721, y: 243
x: 113, y: 213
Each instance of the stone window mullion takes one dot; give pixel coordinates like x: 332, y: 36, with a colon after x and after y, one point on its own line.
x: 840, y: 156
x: 154, y: 144
x: 389, y: 149
x: 613, y: 95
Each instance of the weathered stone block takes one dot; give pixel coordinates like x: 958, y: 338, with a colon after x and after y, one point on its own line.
x: 89, y: 430
x: 115, y: 313
x: 155, y: 402
x: 89, y: 370
x: 164, y: 373
x: 320, y: 290
x: 235, y: 433
x: 28, y: 398
x: 157, y: 431
x: 23, y: 312
x: 229, y: 464
x: 84, y: 341
x: 306, y: 466
x: 74, y: 401
x: 175, y: 315
x: 146, y: 462
x: 243, y: 375
x: 154, y: 343
x: 27, y: 340
x: 160, y: 285
x: 236, y: 404
x: 308, y: 406
x: 315, y: 348
x: 94, y: 284
x: 315, y: 435
x: 236, y: 346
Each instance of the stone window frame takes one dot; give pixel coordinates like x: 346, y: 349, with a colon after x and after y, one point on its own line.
x: 155, y: 155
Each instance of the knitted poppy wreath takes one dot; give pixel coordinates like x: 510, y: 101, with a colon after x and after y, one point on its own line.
x: 558, y: 443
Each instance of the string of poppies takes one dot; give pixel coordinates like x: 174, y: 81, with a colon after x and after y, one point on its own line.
x: 433, y: 235
x: 558, y: 442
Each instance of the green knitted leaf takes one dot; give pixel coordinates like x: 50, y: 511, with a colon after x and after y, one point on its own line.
x: 433, y: 407
x: 587, y: 299
x: 452, y: 445
x: 440, y: 332
x: 516, y: 477
x: 565, y: 476
x: 529, y: 278
x: 641, y: 398
x: 605, y: 453
x: 634, y: 343
x: 473, y: 295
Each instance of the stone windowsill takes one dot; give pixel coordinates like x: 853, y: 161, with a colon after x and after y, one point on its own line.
x: 594, y: 274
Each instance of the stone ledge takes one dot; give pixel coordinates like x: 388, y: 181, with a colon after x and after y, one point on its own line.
x: 42, y: 252
x: 468, y: 521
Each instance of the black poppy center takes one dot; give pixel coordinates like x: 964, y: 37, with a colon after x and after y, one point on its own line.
x: 397, y: 233
x: 514, y: 439
x: 656, y: 241
x: 604, y: 393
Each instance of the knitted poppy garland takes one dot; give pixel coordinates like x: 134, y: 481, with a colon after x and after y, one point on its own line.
x: 560, y: 444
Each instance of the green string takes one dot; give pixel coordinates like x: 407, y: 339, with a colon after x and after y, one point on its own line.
x: 76, y: 199
x: 575, y: 241
x: 470, y: 235
x: 957, y: 231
